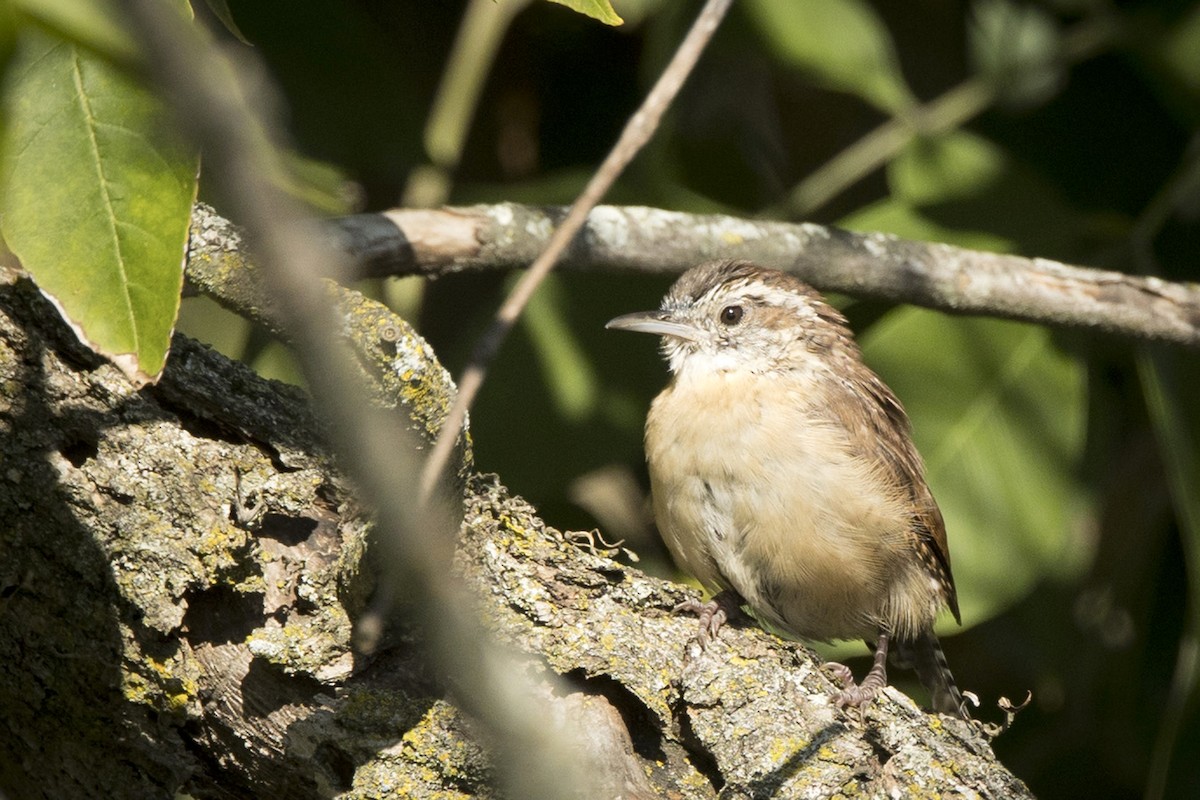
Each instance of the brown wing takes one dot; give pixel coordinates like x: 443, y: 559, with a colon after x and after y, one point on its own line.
x: 870, y: 409
x: 887, y: 425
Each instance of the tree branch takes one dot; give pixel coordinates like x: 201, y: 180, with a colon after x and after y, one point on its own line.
x: 938, y: 276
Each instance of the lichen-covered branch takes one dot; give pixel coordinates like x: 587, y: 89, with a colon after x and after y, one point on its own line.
x: 181, y: 567
x: 509, y: 236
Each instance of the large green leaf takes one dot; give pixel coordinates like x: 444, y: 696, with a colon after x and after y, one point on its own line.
x: 946, y: 168
x: 998, y: 413
x: 97, y: 198
x: 947, y: 171
x: 841, y: 43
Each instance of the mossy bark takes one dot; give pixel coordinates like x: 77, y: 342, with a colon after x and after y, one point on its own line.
x: 181, y: 567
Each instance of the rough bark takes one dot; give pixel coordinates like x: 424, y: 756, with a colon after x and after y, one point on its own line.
x: 181, y: 567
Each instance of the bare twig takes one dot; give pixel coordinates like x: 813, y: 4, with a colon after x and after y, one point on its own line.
x: 637, y: 132
x: 872, y: 265
x: 209, y: 99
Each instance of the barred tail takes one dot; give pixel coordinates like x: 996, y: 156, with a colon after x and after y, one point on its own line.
x: 926, y: 657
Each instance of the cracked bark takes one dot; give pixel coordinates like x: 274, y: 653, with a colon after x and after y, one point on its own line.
x: 181, y: 566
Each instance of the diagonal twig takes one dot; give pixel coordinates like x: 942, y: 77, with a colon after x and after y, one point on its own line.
x: 637, y: 132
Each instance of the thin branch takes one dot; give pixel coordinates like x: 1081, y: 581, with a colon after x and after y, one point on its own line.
x: 637, y: 132
x: 879, y: 146
x: 377, y: 450
x: 874, y: 265
x: 945, y: 113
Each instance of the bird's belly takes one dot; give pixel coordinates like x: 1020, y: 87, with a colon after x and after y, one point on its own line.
x: 779, y: 510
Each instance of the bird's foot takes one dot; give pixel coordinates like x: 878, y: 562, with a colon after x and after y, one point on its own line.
x: 713, y: 615
x: 841, y: 673
x: 855, y: 696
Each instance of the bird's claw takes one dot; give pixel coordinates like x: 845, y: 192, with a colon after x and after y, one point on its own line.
x: 712, y: 615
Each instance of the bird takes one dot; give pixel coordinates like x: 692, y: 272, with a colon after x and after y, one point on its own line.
x: 784, y: 477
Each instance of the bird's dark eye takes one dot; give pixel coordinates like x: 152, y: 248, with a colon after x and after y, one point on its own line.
x: 730, y: 315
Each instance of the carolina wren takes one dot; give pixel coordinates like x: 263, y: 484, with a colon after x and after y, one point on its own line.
x: 785, y: 478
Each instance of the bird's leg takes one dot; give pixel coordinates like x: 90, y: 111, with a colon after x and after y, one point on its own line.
x: 724, y: 606
x: 871, y: 685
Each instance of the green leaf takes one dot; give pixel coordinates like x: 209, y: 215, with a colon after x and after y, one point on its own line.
x: 1016, y: 48
x: 596, y: 9
x: 89, y: 23
x: 97, y: 199
x: 318, y: 184
x: 842, y: 44
x: 220, y: 10
x: 945, y: 168
x: 998, y: 414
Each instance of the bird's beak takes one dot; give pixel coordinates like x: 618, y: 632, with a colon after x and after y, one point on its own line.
x: 659, y: 323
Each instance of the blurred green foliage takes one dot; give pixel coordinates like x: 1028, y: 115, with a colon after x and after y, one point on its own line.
x: 1066, y: 463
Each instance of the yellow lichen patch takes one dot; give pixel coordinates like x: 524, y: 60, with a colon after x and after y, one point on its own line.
x: 509, y: 524
x: 435, y: 742
x: 783, y: 749
x: 135, y: 688
x: 219, y: 540
x: 252, y: 584
x: 160, y: 685
x: 849, y: 789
